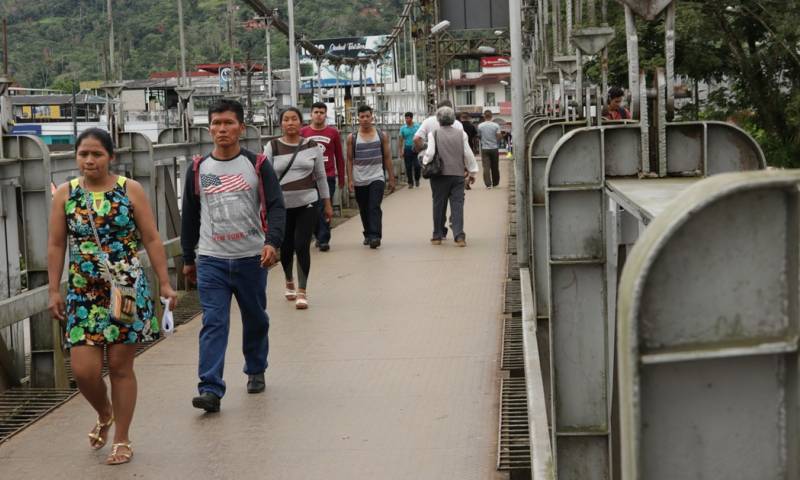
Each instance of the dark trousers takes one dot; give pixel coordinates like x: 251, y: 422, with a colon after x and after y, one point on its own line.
x: 369, y: 198
x: 300, y: 224
x: 413, y: 167
x: 448, y: 188
x: 323, y: 230
x: 490, y: 158
x: 217, y: 280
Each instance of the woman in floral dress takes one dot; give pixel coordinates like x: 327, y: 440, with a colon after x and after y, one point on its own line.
x: 123, y: 222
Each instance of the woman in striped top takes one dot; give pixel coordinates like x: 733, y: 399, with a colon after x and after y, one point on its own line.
x: 300, y: 167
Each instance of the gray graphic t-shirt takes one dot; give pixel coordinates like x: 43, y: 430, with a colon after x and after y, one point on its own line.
x: 230, y: 222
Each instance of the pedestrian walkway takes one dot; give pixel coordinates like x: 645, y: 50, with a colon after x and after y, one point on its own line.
x: 391, y: 374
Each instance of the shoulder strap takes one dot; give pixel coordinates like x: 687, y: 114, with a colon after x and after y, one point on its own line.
x: 262, y: 195
x: 196, y: 160
x: 355, y: 139
x: 291, y: 162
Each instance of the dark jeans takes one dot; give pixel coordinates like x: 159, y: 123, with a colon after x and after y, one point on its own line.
x: 323, y: 230
x: 491, y: 167
x: 300, y: 222
x: 369, y: 198
x: 413, y: 167
x: 448, y: 188
x: 217, y: 280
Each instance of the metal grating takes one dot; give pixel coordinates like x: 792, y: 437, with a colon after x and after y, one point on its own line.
x: 513, y: 298
x: 513, y: 353
x: 21, y: 407
x: 513, y: 446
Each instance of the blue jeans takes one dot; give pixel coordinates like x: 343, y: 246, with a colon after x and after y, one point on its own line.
x: 323, y: 232
x: 217, y: 280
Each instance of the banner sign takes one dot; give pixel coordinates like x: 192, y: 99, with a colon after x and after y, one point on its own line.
x: 350, y: 47
x: 495, y: 62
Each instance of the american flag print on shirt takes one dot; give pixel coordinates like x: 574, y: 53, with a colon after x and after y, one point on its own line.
x: 223, y: 183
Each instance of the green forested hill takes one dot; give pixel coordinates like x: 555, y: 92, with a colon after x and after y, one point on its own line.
x: 53, y: 41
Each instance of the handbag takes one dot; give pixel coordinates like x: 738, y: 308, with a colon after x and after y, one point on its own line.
x: 122, y: 304
x: 434, y: 167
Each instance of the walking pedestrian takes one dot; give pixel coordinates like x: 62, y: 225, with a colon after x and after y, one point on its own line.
x: 233, y: 213
x: 452, y: 146
x: 369, y: 163
x: 407, y: 153
x: 489, y: 133
x: 301, y: 172
x: 105, y: 217
x: 328, y: 139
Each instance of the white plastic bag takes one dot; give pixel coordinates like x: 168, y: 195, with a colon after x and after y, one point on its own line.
x: 167, y: 323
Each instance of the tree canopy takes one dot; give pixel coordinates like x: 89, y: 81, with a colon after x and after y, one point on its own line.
x: 53, y: 41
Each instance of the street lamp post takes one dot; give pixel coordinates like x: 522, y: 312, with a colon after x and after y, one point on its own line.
x: 292, y: 55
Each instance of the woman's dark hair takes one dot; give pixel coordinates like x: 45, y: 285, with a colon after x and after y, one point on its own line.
x: 100, y: 135
x: 291, y: 109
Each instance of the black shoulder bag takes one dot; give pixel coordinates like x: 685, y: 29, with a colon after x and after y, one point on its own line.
x: 434, y: 167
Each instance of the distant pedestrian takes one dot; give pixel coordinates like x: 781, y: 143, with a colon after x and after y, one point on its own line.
x: 615, y: 110
x: 456, y: 156
x: 105, y: 218
x: 369, y: 163
x: 489, y: 133
x: 472, y: 137
x: 327, y: 137
x: 233, y: 213
x: 300, y: 167
x: 407, y: 153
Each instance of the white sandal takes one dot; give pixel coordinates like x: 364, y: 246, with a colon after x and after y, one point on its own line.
x: 290, y: 293
x: 302, y: 302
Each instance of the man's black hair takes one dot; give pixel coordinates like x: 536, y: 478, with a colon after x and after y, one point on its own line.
x: 364, y: 108
x: 226, y: 105
x: 615, y: 92
x: 319, y: 105
x: 409, y: 115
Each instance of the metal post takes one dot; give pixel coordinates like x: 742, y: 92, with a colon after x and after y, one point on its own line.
x: 269, y: 103
x: 292, y: 55
x: 633, y: 60
x: 518, y: 130
x: 232, y: 86
x: 319, y: 77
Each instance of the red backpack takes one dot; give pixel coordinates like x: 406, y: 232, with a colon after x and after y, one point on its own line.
x: 262, y: 195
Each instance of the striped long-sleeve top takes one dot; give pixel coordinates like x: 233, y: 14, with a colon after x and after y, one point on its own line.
x: 305, y: 182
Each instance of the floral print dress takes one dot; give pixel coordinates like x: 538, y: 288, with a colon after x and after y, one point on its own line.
x: 88, y: 293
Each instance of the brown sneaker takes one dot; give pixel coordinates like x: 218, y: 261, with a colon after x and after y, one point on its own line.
x: 436, y: 241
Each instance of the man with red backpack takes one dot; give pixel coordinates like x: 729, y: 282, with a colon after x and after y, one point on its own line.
x: 233, y: 213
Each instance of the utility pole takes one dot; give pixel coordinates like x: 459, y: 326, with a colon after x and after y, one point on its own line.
x: 292, y: 56
x: 184, y: 88
x: 112, y: 71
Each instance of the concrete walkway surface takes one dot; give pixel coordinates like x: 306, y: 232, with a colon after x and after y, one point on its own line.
x: 392, y: 373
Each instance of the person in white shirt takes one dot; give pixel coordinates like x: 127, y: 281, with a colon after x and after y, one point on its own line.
x: 430, y: 125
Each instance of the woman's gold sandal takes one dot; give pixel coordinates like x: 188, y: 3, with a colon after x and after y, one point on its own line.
x: 97, y: 442
x: 126, y: 456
